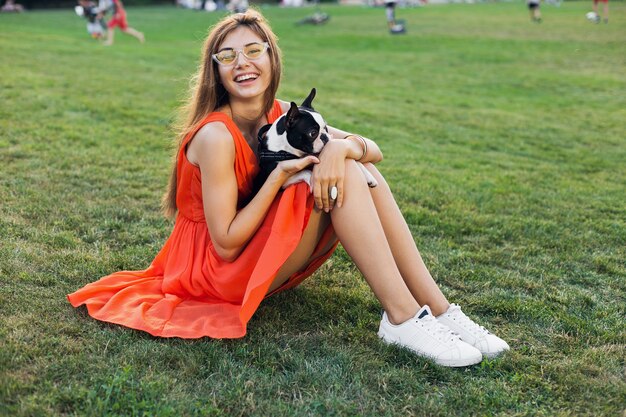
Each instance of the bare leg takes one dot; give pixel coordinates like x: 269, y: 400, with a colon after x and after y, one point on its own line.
x: 606, y: 12
x: 405, y: 252
x: 132, y: 32
x: 361, y: 233
x: 301, y: 257
x: 110, y: 37
x: 391, y: 17
x: 359, y: 229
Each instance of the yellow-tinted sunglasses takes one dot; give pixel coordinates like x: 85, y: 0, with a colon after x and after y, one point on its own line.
x: 251, y: 51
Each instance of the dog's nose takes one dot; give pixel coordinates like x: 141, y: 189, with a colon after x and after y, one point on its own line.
x: 324, y: 138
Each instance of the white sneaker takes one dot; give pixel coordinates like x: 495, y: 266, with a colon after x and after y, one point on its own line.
x: 489, y: 344
x: 424, y: 335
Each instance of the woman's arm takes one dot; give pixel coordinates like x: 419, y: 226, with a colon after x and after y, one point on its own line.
x: 373, y: 155
x: 213, y: 151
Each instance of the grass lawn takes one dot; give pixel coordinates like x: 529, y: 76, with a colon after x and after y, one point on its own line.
x: 505, y: 144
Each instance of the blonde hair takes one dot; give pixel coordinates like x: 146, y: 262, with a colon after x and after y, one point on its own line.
x: 207, y: 94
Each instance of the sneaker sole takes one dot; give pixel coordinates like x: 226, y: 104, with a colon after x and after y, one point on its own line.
x: 450, y: 363
x: 457, y: 363
x: 494, y: 355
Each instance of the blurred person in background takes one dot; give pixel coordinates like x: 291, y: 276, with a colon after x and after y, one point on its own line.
x: 96, y: 26
x: 605, y: 9
x: 534, y: 10
x: 11, y: 7
x: 394, y: 26
x: 119, y: 20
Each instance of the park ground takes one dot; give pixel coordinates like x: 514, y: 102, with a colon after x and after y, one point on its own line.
x: 504, y: 143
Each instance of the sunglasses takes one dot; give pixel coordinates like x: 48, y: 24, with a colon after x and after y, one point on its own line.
x: 252, y: 51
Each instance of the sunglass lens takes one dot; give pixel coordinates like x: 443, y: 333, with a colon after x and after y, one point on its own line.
x: 254, y: 50
x: 227, y: 56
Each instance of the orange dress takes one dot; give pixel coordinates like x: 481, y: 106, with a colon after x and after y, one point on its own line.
x: 189, y: 291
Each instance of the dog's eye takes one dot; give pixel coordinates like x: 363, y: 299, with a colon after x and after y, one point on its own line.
x: 313, y: 134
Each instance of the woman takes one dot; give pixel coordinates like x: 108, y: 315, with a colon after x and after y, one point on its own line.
x: 229, y: 250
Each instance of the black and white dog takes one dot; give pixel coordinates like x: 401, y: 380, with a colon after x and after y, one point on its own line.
x: 300, y: 132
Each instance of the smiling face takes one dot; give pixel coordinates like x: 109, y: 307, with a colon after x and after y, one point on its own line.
x: 245, y: 78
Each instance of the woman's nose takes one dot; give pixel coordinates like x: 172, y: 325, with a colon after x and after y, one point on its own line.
x: 240, y: 59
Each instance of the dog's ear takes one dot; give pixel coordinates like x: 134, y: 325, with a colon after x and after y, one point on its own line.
x: 263, y: 131
x: 292, y: 115
x: 307, y: 101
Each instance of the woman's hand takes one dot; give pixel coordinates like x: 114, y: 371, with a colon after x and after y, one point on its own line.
x: 285, y: 169
x: 329, y: 173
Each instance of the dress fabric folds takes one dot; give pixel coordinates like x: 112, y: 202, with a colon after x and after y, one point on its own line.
x: 189, y: 291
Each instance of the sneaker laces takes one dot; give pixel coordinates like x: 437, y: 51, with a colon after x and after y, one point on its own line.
x: 457, y: 315
x: 440, y: 331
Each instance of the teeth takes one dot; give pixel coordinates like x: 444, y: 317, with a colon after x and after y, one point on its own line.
x: 245, y: 77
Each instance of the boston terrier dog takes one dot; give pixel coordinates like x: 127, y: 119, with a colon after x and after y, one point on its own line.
x: 300, y: 132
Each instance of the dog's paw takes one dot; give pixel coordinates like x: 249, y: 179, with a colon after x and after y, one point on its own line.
x: 371, y: 181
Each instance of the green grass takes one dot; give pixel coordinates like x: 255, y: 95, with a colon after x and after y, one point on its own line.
x: 504, y: 143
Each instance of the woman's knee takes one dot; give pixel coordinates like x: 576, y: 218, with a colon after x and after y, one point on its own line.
x: 354, y: 172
